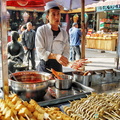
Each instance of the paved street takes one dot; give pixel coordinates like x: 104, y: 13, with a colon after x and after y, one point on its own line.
x: 99, y: 60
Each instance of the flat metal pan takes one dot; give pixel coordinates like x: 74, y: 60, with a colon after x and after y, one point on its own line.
x: 60, y: 99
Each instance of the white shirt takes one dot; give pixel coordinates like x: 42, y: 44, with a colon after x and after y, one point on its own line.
x: 46, y: 44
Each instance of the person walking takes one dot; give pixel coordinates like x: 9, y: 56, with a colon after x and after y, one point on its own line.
x: 74, y: 35
x: 28, y: 41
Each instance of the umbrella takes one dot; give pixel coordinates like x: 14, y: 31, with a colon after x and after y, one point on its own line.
x: 105, y: 3
x: 74, y: 4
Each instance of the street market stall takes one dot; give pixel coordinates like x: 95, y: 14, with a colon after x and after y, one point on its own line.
x: 82, y: 85
x: 27, y: 4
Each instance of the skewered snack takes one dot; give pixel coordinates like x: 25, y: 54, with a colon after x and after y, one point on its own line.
x: 86, y: 73
x: 56, y: 74
x: 78, y: 64
x: 95, y: 107
x: 13, y: 108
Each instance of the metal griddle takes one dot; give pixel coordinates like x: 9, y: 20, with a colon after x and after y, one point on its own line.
x: 77, y: 91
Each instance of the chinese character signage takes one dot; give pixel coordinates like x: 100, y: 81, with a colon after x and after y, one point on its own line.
x: 107, y: 8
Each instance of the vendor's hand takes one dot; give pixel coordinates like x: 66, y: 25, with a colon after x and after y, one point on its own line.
x: 25, y: 48
x: 62, y: 60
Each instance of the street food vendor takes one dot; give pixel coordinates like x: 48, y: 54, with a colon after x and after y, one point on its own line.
x: 51, y: 41
x: 15, y: 52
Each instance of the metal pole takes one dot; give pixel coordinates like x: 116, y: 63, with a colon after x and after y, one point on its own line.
x: 3, y: 50
x: 83, y: 29
x: 118, y: 46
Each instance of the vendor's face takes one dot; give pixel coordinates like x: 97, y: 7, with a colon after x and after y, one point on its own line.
x: 54, y: 17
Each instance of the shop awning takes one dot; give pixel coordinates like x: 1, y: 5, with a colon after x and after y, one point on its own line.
x: 25, y: 3
x: 68, y: 4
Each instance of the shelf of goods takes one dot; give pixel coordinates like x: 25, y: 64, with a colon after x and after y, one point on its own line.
x: 102, y: 41
x: 109, y: 24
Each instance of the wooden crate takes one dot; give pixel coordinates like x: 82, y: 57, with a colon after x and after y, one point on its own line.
x: 102, y: 43
x: 98, y: 42
x: 87, y: 42
x: 90, y: 42
x: 110, y: 44
x: 94, y: 42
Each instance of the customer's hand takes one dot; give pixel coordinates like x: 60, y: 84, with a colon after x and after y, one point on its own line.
x: 62, y: 60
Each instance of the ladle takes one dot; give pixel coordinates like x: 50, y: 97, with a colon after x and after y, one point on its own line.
x: 13, y: 76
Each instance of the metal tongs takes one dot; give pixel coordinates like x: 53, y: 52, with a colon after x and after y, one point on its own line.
x: 55, y: 73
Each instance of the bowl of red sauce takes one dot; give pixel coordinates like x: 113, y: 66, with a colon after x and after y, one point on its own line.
x: 29, y: 84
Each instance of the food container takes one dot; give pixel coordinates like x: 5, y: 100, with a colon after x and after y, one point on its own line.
x: 96, y: 79
x: 87, y: 80
x: 20, y: 67
x: 78, y: 76
x: 66, y: 83
x: 117, y: 75
x: 29, y: 84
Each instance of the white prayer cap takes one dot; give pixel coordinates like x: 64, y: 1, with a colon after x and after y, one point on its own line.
x: 50, y: 5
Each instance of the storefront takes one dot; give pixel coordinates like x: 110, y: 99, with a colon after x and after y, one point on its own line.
x: 17, y: 18
x: 108, y: 17
x: 106, y: 35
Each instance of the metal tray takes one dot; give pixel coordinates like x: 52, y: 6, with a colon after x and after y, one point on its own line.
x: 107, y: 87
x: 77, y: 91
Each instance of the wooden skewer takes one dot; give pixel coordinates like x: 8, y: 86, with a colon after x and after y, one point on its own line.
x: 27, y: 117
x: 110, y: 115
x: 48, y: 69
x: 12, y: 118
x: 46, y: 116
x: 115, y: 114
x: 17, y: 117
x: 108, y: 118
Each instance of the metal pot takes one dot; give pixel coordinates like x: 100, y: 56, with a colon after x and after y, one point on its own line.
x: 30, y: 84
x: 78, y: 76
x: 66, y: 83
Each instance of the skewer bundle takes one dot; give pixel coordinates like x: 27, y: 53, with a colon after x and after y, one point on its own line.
x: 13, y: 108
x: 95, y: 107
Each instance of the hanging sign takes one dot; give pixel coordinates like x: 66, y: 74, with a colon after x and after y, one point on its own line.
x: 107, y: 8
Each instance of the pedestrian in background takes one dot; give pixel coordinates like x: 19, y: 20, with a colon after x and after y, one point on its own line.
x: 75, y: 40
x: 28, y: 41
x: 23, y: 27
